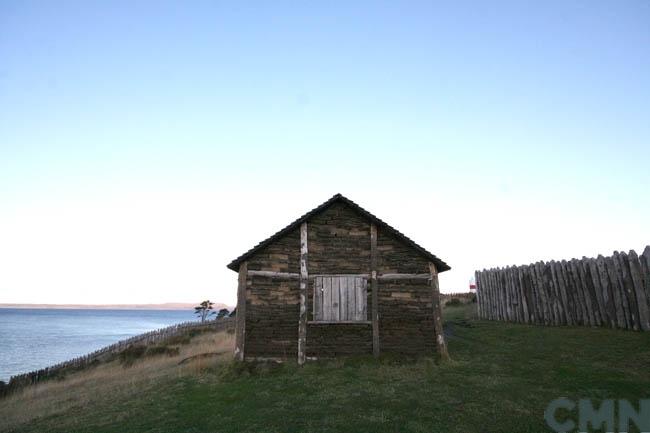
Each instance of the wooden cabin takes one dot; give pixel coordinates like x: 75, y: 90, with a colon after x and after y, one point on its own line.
x: 337, y: 281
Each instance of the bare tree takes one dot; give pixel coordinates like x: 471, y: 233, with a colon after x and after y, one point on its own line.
x: 204, y: 310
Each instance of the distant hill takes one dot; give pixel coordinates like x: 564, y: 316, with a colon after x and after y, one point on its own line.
x: 165, y: 306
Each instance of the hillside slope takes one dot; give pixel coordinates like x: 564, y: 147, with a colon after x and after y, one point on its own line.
x: 501, y: 380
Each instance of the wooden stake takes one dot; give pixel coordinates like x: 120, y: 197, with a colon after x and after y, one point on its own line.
x: 304, y: 279
x: 626, y: 290
x: 641, y: 298
x: 441, y: 345
x: 240, y: 317
x: 374, y: 287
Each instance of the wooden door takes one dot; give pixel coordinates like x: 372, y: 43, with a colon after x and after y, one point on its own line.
x: 340, y: 298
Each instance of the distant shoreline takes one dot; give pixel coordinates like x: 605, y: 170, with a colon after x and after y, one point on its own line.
x: 164, y: 306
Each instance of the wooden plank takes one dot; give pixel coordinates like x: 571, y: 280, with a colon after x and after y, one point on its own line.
x: 272, y: 274
x: 240, y: 317
x: 327, y: 298
x: 364, y: 295
x: 441, y: 345
x: 351, y: 297
x: 639, y: 291
x: 318, y: 299
x: 343, y: 297
x: 374, y: 259
x: 358, y: 307
x: 336, y: 308
x: 304, y: 280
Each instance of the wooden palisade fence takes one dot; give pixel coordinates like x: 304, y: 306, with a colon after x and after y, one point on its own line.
x: 152, y: 337
x: 609, y: 291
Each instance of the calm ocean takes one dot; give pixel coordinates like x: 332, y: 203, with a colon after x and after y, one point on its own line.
x: 31, y: 339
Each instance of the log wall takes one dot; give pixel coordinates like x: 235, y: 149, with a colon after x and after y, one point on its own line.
x: 609, y: 291
x: 272, y: 310
x: 339, y: 242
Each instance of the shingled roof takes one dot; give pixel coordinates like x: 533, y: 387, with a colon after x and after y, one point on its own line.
x: 338, y: 198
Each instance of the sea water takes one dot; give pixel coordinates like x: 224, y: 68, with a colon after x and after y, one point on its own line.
x: 31, y: 339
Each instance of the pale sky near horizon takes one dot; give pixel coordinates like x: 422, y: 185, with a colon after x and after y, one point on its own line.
x: 144, y: 145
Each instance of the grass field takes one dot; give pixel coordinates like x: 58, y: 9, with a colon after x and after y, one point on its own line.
x: 501, y: 379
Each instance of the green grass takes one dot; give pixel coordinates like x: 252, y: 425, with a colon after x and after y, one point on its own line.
x: 500, y: 380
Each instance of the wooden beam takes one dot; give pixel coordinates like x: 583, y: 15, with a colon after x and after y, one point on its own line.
x: 304, y: 279
x: 273, y: 274
x: 441, y: 345
x: 296, y: 276
x: 374, y: 288
x: 240, y: 317
x: 339, y: 322
x: 404, y: 276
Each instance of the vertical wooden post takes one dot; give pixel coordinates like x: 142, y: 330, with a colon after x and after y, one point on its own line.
x: 304, y: 279
x: 644, y: 261
x: 375, y: 289
x: 478, y: 294
x: 637, y: 281
x: 240, y: 317
x: 441, y: 345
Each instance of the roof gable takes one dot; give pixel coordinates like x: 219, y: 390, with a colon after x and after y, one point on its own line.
x: 338, y: 198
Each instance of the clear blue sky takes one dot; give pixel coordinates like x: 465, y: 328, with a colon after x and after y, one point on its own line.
x: 492, y: 133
